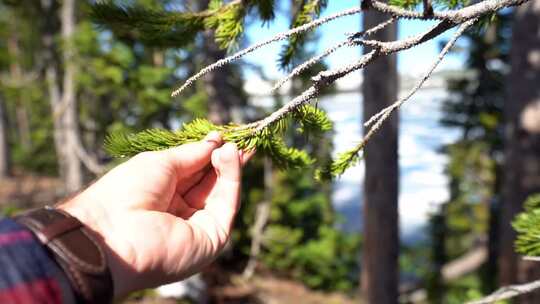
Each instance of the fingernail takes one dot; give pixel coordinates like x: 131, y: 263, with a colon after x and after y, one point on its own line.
x: 228, y: 152
x: 214, y: 137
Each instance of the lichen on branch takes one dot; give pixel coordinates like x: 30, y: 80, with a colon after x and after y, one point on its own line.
x: 266, y: 135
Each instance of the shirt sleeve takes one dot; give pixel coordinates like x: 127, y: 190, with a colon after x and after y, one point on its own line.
x: 28, y: 273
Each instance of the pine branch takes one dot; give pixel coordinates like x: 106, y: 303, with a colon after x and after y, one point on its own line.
x: 312, y: 61
x: 350, y: 157
x: 170, y: 28
x: 379, y: 118
x: 527, y: 225
x: 265, y: 134
x: 451, y: 18
x: 308, y: 10
x: 328, y: 77
x: 279, y: 37
x: 508, y: 292
x: 456, y: 16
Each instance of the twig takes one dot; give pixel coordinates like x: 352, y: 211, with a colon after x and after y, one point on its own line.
x: 302, y: 67
x: 508, y: 292
x: 325, y: 78
x: 456, y: 16
x: 380, y: 117
x: 451, y: 17
x: 532, y: 258
x: 89, y: 162
x: 373, y: 30
x: 464, y: 17
x: 349, y: 42
x: 278, y: 37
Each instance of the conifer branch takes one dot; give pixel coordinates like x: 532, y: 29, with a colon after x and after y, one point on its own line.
x: 384, y: 113
x: 350, y: 157
x: 265, y: 134
x: 508, y: 292
x: 349, y: 42
x: 328, y: 77
x: 456, y: 16
x: 278, y: 37
x: 449, y: 18
x: 320, y: 81
x: 308, y: 10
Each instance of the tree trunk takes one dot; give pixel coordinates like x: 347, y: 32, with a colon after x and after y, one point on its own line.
x: 70, y: 119
x: 62, y: 98
x: 16, y: 74
x: 379, y: 278
x: 5, y: 159
x: 522, y: 141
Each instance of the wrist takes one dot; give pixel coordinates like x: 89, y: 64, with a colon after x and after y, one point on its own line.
x: 76, y: 250
x: 95, y: 221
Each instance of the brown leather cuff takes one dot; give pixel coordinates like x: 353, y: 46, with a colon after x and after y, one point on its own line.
x: 75, y: 249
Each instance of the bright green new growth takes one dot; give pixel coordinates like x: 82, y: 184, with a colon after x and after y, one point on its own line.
x: 340, y: 164
x: 267, y: 141
x: 527, y: 225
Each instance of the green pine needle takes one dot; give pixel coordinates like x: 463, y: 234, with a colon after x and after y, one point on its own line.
x: 307, y: 12
x: 313, y: 120
x: 340, y: 164
x: 228, y: 24
x: 158, y: 28
x: 267, y: 142
x: 527, y: 225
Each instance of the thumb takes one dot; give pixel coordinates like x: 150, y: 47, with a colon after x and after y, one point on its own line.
x: 225, y: 197
x: 226, y: 161
x: 192, y: 157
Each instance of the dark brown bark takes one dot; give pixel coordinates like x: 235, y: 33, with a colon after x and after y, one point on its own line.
x: 522, y: 142
x: 379, y: 278
x: 5, y: 159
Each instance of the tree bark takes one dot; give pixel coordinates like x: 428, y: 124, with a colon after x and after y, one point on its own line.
x: 379, y: 277
x: 70, y: 118
x: 5, y: 159
x: 522, y: 142
x: 62, y: 97
x: 16, y: 74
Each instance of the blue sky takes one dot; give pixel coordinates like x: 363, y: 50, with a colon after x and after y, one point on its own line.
x: 409, y: 62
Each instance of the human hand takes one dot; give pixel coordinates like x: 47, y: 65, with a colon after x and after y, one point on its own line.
x: 164, y: 215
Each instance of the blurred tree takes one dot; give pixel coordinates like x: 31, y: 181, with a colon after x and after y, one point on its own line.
x: 223, y: 87
x: 5, y: 153
x: 379, y: 279
x: 522, y: 141
x: 21, y: 88
x: 474, y: 106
